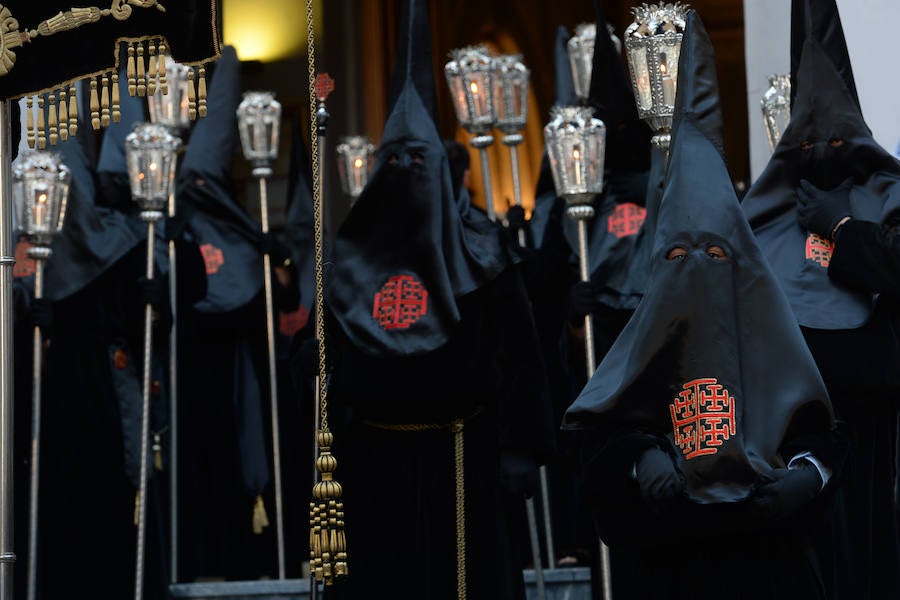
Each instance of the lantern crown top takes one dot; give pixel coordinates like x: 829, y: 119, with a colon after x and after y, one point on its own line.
x: 509, y: 65
x: 469, y: 58
x: 657, y: 19
x: 585, y: 31
x: 779, y: 92
x: 571, y: 118
x: 255, y: 101
x: 146, y: 135
x: 32, y: 160
x: 355, y: 142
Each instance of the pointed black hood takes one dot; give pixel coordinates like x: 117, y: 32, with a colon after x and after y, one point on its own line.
x: 611, y: 96
x: 691, y: 366
x: 545, y: 193
x: 224, y: 231
x: 826, y: 142
x: 406, y: 252
x: 414, y: 52
x: 93, y: 237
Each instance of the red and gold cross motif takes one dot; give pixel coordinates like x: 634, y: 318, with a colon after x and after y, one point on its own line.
x: 324, y: 85
x: 819, y: 250
x: 24, y: 266
x: 212, y: 258
x: 626, y: 219
x: 400, y: 302
x: 702, y: 417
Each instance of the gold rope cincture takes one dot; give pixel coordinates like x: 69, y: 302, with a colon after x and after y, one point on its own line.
x: 260, y: 517
x: 327, y: 539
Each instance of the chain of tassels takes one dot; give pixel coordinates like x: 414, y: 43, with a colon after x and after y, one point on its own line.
x: 327, y: 541
x: 53, y: 117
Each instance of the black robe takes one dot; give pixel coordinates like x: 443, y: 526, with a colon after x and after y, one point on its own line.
x: 401, y: 484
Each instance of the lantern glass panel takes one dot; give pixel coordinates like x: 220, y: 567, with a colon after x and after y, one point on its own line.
x: 150, y: 154
x: 259, y: 122
x: 637, y: 59
x: 576, y: 145
x: 40, y: 191
x: 469, y: 78
x: 355, y: 159
x: 510, y: 80
x: 667, y: 61
x: 581, y: 57
x: 776, y: 108
x: 171, y: 110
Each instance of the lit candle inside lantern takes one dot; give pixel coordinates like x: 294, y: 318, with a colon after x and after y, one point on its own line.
x: 576, y: 161
x: 40, y: 211
x: 668, y: 83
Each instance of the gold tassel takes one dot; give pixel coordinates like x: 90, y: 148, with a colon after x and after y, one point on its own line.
x: 163, y: 83
x: 104, y: 101
x: 137, y: 507
x: 63, y: 116
x: 260, y: 518
x: 328, y: 542
x: 201, y: 91
x: 151, y: 70
x: 116, y: 106
x: 95, y: 105
x: 41, y: 133
x: 29, y: 122
x: 192, y: 96
x: 73, y: 111
x: 129, y: 70
x: 141, y: 73
x: 51, y: 119
x: 157, y: 452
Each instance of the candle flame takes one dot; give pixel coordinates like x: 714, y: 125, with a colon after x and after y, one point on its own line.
x: 662, y: 68
x: 474, y: 87
x: 153, y: 166
x: 42, y: 198
x: 140, y: 176
x: 358, y: 163
x: 576, y: 154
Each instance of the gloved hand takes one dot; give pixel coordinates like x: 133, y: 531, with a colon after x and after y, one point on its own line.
x: 583, y: 299
x: 277, y: 250
x: 520, y: 474
x: 515, y: 216
x: 784, y: 491
x: 154, y: 292
x: 658, y: 478
x: 41, y: 315
x: 819, y: 211
x: 175, y: 225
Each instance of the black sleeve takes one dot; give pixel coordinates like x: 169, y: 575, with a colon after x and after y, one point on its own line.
x: 525, y: 416
x: 191, y: 275
x: 866, y: 258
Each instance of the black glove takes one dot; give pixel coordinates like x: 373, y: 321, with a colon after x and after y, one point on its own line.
x: 520, y: 474
x: 154, y: 292
x: 584, y: 299
x: 275, y: 248
x: 819, y: 211
x: 658, y: 478
x: 784, y: 491
x: 175, y: 225
x: 41, y: 315
x: 515, y: 216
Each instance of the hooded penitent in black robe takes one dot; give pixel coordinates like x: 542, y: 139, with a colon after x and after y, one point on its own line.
x: 227, y: 443
x: 712, y: 374
x: 843, y: 293
x: 428, y: 324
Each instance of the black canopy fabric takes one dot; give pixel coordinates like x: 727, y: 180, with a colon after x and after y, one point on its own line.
x: 48, y: 44
x: 712, y: 360
x: 826, y: 143
x: 409, y: 248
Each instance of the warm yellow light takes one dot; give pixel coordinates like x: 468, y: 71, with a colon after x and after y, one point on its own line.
x: 474, y: 87
x: 153, y: 166
x: 358, y: 163
x: 662, y: 68
x: 42, y: 198
x: 576, y: 154
x: 268, y: 31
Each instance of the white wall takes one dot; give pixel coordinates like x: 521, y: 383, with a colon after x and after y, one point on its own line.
x: 869, y: 29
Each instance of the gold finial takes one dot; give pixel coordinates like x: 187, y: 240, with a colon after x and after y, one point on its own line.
x: 63, y: 116
x: 51, y: 119
x: 163, y: 83
x: 116, y: 105
x: 95, y: 105
x: 41, y: 134
x: 73, y: 111
x: 104, y: 101
x: 151, y: 70
x: 192, y: 96
x: 201, y: 91
x: 129, y: 71
x: 141, y: 72
x: 29, y: 122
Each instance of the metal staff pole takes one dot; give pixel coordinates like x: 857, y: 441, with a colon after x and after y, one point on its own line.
x: 481, y: 142
x: 173, y: 403
x: 7, y: 260
x: 37, y: 357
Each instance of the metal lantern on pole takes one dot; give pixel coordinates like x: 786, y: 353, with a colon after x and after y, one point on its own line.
x: 776, y: 108
x: 510, y: 90
x: 40, y: 191
x: 169, y: 107
x: 576, y: 146
x: 652, y: 46
x: 150, y: 154
x: 469, y: 76
x: 259, y: 123
x: 580, y: 48
x: 356, y: 155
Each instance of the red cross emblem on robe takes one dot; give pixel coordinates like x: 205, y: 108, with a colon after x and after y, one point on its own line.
x: 400, y: 302
x: 626, y: 219
x: 289, y: 323
x: 702, y: 417
x: 24, y: 266
x: 819, y: 250
x: 212, y: 258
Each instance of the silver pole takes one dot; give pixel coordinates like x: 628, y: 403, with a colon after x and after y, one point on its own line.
x: 512, y: 141
x: 150, y: 217
x: 37, y: 357
x: 535, y: 549
x: 581, y: 213
x: 481, y: 142
x: 7, y: 260
x: 261, y: 173
x: 173, y: 405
